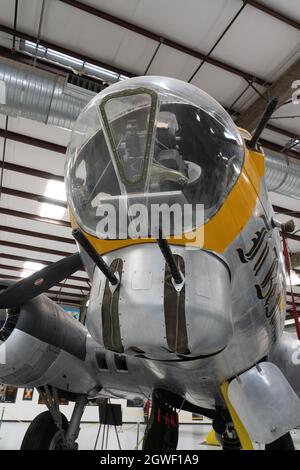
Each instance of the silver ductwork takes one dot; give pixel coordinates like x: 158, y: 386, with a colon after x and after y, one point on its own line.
x: 39, y: 95
x: 282, y: 174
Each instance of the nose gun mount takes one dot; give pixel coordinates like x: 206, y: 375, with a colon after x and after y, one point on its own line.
x: 177, y: 276
x: 153, y: 315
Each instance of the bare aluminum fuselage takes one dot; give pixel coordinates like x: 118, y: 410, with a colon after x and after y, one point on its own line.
x: 240, y: 319
x: 234, y: 312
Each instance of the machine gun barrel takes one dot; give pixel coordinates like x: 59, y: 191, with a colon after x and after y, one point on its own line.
x: 168, y: 255
x: 262, y: 123
x: 98, y: 260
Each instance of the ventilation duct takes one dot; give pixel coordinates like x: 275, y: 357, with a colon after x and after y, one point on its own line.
x: 39, y: 95
x: 282, y: 174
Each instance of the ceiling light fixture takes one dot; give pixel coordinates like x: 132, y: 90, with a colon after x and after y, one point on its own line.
x: 30, y: 267
x: 295, y: 279
x: 55, y: 189
x: 51, y: 211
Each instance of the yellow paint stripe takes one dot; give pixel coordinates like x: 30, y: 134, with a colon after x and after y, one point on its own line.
x: 238, y: 425
x: 211, y: 439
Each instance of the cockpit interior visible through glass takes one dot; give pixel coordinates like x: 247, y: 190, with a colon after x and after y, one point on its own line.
x: 153, y: 145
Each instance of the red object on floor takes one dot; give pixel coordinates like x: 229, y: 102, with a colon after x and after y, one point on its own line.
x: 147, y: 408
x: 288, y: 269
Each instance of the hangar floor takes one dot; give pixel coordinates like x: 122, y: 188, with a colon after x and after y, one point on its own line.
x: 191, y: 436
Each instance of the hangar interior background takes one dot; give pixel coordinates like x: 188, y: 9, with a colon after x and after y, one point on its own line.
x: 238, y: 51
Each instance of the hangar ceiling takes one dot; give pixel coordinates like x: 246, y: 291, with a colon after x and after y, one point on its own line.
x: 235, y: 50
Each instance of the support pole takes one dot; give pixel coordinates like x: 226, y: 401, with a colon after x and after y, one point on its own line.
x: 74, y: 425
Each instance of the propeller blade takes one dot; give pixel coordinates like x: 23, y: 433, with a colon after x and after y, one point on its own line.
x: 40, y: 282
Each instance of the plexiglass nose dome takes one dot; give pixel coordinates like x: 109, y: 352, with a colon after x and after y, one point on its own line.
x: 151, y: 140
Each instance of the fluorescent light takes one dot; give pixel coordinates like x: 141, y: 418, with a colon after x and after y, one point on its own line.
x: 289, y: 322
x: 33, y: 45
x: 51, y: 211
x: 56, y: 190
x: 29, y: 43
x: 99, y: 69
x: 295, y: 279
x: 29, y: 268
x: 64, y: 57
x: 100, y: 72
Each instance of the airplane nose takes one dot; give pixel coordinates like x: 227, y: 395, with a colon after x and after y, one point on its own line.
x: 149, y: 314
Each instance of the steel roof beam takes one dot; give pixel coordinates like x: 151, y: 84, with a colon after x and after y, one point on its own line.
x: 10, y: 267
x: 283, y: 132
x: 36, y: 218
x: 285, y: 211
x: 35, y: 260
x: 32, y: 196
x: 164, y: 40
x: 292, y: 236
x: 65, y: 301
x: 276, y: 14
x: 59, y: 284
x: 25, y: 170
x: 296, y: 295
x: 63, y: 50
x: 278, y: 148
x: 281, y: 89
x: 57, y: 293
x: 29, y: 233
x: 36, y: 249
x: 69, y: 294
x: 26, y: 139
